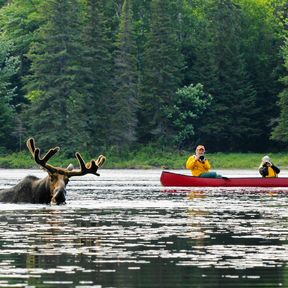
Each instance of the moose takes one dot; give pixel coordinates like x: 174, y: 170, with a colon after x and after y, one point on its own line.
x: 52, y: 188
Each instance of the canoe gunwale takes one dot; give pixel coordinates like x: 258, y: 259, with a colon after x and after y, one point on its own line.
x: 181, y: 180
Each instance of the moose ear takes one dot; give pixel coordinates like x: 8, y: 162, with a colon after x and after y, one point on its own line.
x: 70, y: 167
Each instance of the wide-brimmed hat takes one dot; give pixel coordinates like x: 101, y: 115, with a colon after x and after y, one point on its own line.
x: 266, y: 158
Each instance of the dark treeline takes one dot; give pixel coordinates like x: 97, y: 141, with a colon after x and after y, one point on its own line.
x: 93, y: 75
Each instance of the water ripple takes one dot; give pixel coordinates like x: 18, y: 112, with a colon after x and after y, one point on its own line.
x: 110, y: 228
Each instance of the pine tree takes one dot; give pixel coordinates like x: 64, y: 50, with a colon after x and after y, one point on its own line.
x: 125, y: 102
x: 280, y: 132
x: 221, y: 67
x: 8, y: 68
x: 162, y: 73
x: 18, y: 21
x: 96, y: 78
x: 53, y: 86
x: 261, y: 43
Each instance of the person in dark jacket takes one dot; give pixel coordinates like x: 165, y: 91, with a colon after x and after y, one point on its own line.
x: 267, y: 168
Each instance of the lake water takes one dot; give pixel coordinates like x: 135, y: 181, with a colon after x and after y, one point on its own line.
x: 124, y: 230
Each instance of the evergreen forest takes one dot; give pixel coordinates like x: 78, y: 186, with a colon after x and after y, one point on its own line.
x: 117, y: 75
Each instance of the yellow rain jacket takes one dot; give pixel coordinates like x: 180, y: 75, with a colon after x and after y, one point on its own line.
x: 197, y: 167
x: 269, y: 172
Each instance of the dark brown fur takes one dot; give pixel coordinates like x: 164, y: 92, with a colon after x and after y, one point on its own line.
x: 52, y: 188
x: 31, y: 189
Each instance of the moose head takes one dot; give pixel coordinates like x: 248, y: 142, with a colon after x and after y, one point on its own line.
x: 58, y: 177
x: 52, y: 188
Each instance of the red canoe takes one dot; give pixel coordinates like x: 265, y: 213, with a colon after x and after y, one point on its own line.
x: 180, y: 180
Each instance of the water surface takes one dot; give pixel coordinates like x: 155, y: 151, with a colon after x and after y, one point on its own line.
x: 123, y: 229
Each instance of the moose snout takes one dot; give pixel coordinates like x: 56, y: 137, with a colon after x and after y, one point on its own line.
x: 59, y: 196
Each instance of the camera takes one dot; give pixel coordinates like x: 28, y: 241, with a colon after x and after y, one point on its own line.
x: 266, y: 164
x: 201, y: 158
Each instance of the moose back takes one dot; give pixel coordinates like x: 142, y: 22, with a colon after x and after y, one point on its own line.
x: 52, y: 188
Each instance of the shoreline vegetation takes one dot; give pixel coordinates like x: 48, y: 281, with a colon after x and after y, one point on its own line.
x: 149, y: 159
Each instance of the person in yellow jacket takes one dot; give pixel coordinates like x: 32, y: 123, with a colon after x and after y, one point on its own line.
x: 198, y: 164
x: 267, y: 168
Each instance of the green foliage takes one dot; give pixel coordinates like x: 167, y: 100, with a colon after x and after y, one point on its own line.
x: 260, y: 35
x: 220, y: 66
x: 24, y: 160
x: 280, y: 132
x: 104, y: 74
x: 95, y: 77
x: 280, y: 9
x: 125, y: 102
x: 8, y: 68
x: 162, y: 72
x: 3, y: 2
x: 149, y: 156
x: 18, y: 21
x: 245, y: 160
x: 55, y: 64
x: 189, y: 104
x: 16, y: 160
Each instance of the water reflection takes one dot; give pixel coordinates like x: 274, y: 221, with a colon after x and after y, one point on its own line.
x: 123, y: 230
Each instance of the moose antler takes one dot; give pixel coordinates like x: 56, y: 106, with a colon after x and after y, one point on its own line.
x: 91, y: 167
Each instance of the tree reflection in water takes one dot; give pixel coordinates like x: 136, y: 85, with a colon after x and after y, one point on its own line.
x: 125, y: 232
